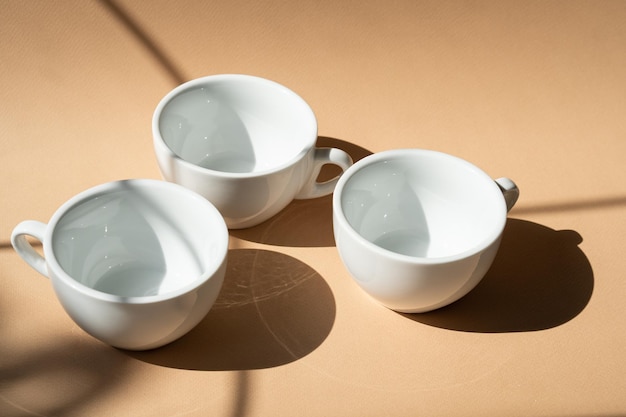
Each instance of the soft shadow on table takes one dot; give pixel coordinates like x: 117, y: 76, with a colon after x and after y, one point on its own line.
x: 273, y: 309
x: 58, y: 378
x: 540, y: 279
x: 304, y: 223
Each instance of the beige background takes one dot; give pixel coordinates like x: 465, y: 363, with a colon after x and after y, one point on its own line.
x: 531, y: 90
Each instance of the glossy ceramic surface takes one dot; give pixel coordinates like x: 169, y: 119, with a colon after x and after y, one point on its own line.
x: 418, y: 229
x: 245, y: 143
x: 135, y: 263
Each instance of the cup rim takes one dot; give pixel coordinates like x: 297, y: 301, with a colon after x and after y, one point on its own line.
x: 163, y: 147
x: 219, y: 228
x: 340, y: 217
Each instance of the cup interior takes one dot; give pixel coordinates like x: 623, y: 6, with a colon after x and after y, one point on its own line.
x: 236, y: 124
x: 423, y: 204
x: 140, y: 239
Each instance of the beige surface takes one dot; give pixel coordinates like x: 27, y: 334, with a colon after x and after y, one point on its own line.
x: 532, y: 90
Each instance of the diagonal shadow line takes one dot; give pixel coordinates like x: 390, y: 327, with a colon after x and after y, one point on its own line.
x: 133, y: 27
x: 601, y: 203
x: 8, y: 245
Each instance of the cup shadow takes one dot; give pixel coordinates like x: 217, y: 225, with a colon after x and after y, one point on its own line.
x: 540, y: 279
x: 304, y: 223
x: 273, y: 309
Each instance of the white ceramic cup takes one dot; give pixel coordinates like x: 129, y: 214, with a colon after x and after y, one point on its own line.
x: 136, y: 263
x: 418, y: 229
x: 245, y: 143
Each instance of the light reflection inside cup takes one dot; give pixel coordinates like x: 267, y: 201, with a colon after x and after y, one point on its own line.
x: 218, y: 128
x: 421, y: 208
x: 122, y: 244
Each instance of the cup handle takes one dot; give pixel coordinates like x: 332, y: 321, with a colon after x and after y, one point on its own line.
x: 323, y: 156
x: 25, y: 249
x: 509, y: 191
